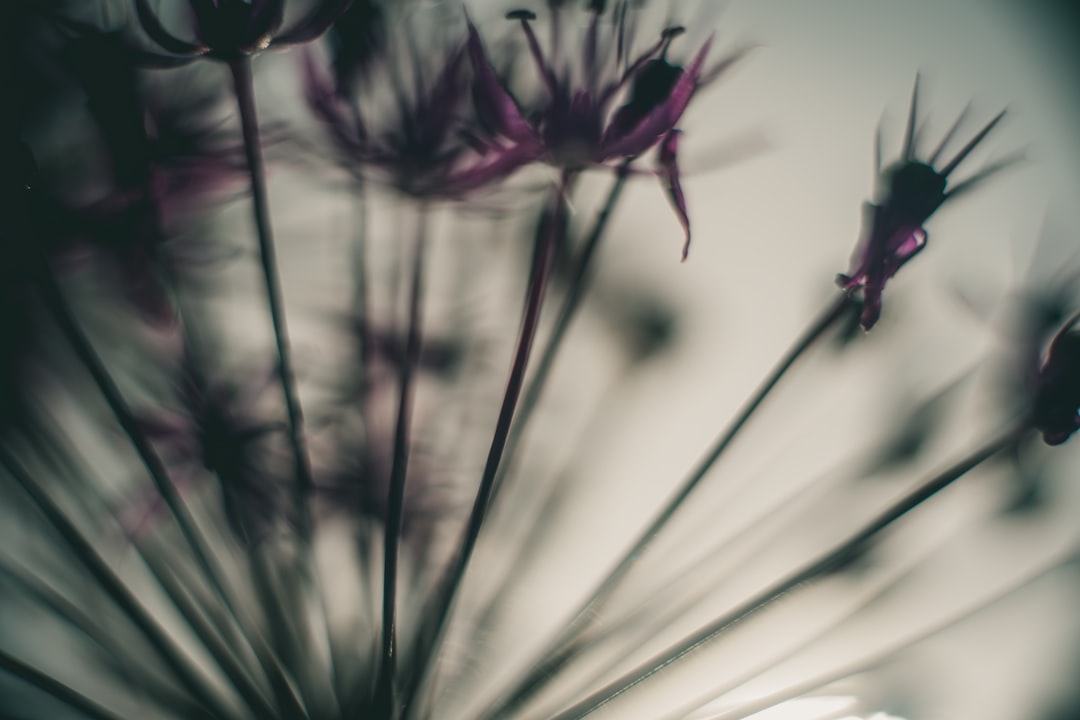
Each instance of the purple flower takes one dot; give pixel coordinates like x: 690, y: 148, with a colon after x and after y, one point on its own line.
x: 893, y: 227
x: 228, y: 29
x: 576, y: 127
x: 420, y: 149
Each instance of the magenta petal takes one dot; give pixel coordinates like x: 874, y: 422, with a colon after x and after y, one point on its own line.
x: 506, y: 161
x: 669, y: 172
x: 663, y: 117
x: 500, y: 107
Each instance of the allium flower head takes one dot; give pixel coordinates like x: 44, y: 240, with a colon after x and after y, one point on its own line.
x: 227, y: 29
x: 418, y: 151
x: 576, y: 127
x: 913, y: 190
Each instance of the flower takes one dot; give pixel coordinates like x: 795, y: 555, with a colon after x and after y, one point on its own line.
x: 228, y: 29
x: 576, y: 129
x: 420, y: 149
x: 216, y: 429
x: 893, y: 227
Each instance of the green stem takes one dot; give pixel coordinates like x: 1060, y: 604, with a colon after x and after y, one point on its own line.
x: 576, y: 288
x: 244, y: 88
x: 832, y: 561
x: 384, y: 694
x: 430, y: 635
x: 125, y: 600
x: 245, y: 100
x: 561, y: 648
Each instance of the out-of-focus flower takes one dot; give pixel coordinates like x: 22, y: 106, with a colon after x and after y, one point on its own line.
x: 229, y: 29
x: 163, y: 162
x: 419, y: 151
x: 1056, y: 403
x: 576, y: 128
x: 913, y: 190
x: 216, y: 429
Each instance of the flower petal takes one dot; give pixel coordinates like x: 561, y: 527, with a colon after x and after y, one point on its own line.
x: 669, y: 172
x: 495, y: 103
x: 662, y: 118
x: 505, y: 162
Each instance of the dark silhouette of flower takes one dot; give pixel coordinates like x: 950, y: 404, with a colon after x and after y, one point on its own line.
x: 893, y: 230
x: 217, y: 429
x: 228, y: 29
x: 576, y: 128
x: 1056, y: 402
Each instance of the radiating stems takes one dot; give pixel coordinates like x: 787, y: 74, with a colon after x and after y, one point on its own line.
x: 430, y: 635
x: 578, y: 284
x: 385, y: 700
x: 58, y: 306
x: 245, y: 100
x: 158, y: 638
x: 831, y: 561
x: 560, y: 649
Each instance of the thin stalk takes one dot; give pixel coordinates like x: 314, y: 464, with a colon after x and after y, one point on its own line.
x: 429, y: 637
x: 54, y: 688
x: 576, y: 288
x: 560, y: 649
x: 384, y: 694
x: 831, y: 561
x: 58, y: 306
x: 158, y: 638
x: 245, y: 100
x: 244, y: 88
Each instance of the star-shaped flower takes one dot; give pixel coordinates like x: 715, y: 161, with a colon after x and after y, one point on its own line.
x: 893, y: 227
x: 418, y: 151
x: 576, y: 127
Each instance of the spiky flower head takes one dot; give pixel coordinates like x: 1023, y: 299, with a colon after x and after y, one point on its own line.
x: 912, y: 191
x: 576, y: 126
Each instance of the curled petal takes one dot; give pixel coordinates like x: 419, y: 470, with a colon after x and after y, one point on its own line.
x: 661, y: 119
x: 494, y: 101
x: 315, y: 24
x: 156, y: 31
x: 669, y: 172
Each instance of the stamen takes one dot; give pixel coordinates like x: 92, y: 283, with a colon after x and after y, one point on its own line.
x: 534, y: 46
x: 669, y: 34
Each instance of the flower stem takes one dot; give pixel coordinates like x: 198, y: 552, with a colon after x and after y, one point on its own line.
x: 578, y: 284
x: 430, y: 635
x: 384, y: 693
x: 245, y: 100
x: 244, y: 88
x: 832, y: 561
x: 561, y: 648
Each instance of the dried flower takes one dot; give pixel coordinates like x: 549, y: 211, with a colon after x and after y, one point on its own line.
x: 893, y: 230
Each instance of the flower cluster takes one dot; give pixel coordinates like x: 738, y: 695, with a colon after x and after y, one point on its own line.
x: 231, y: 493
